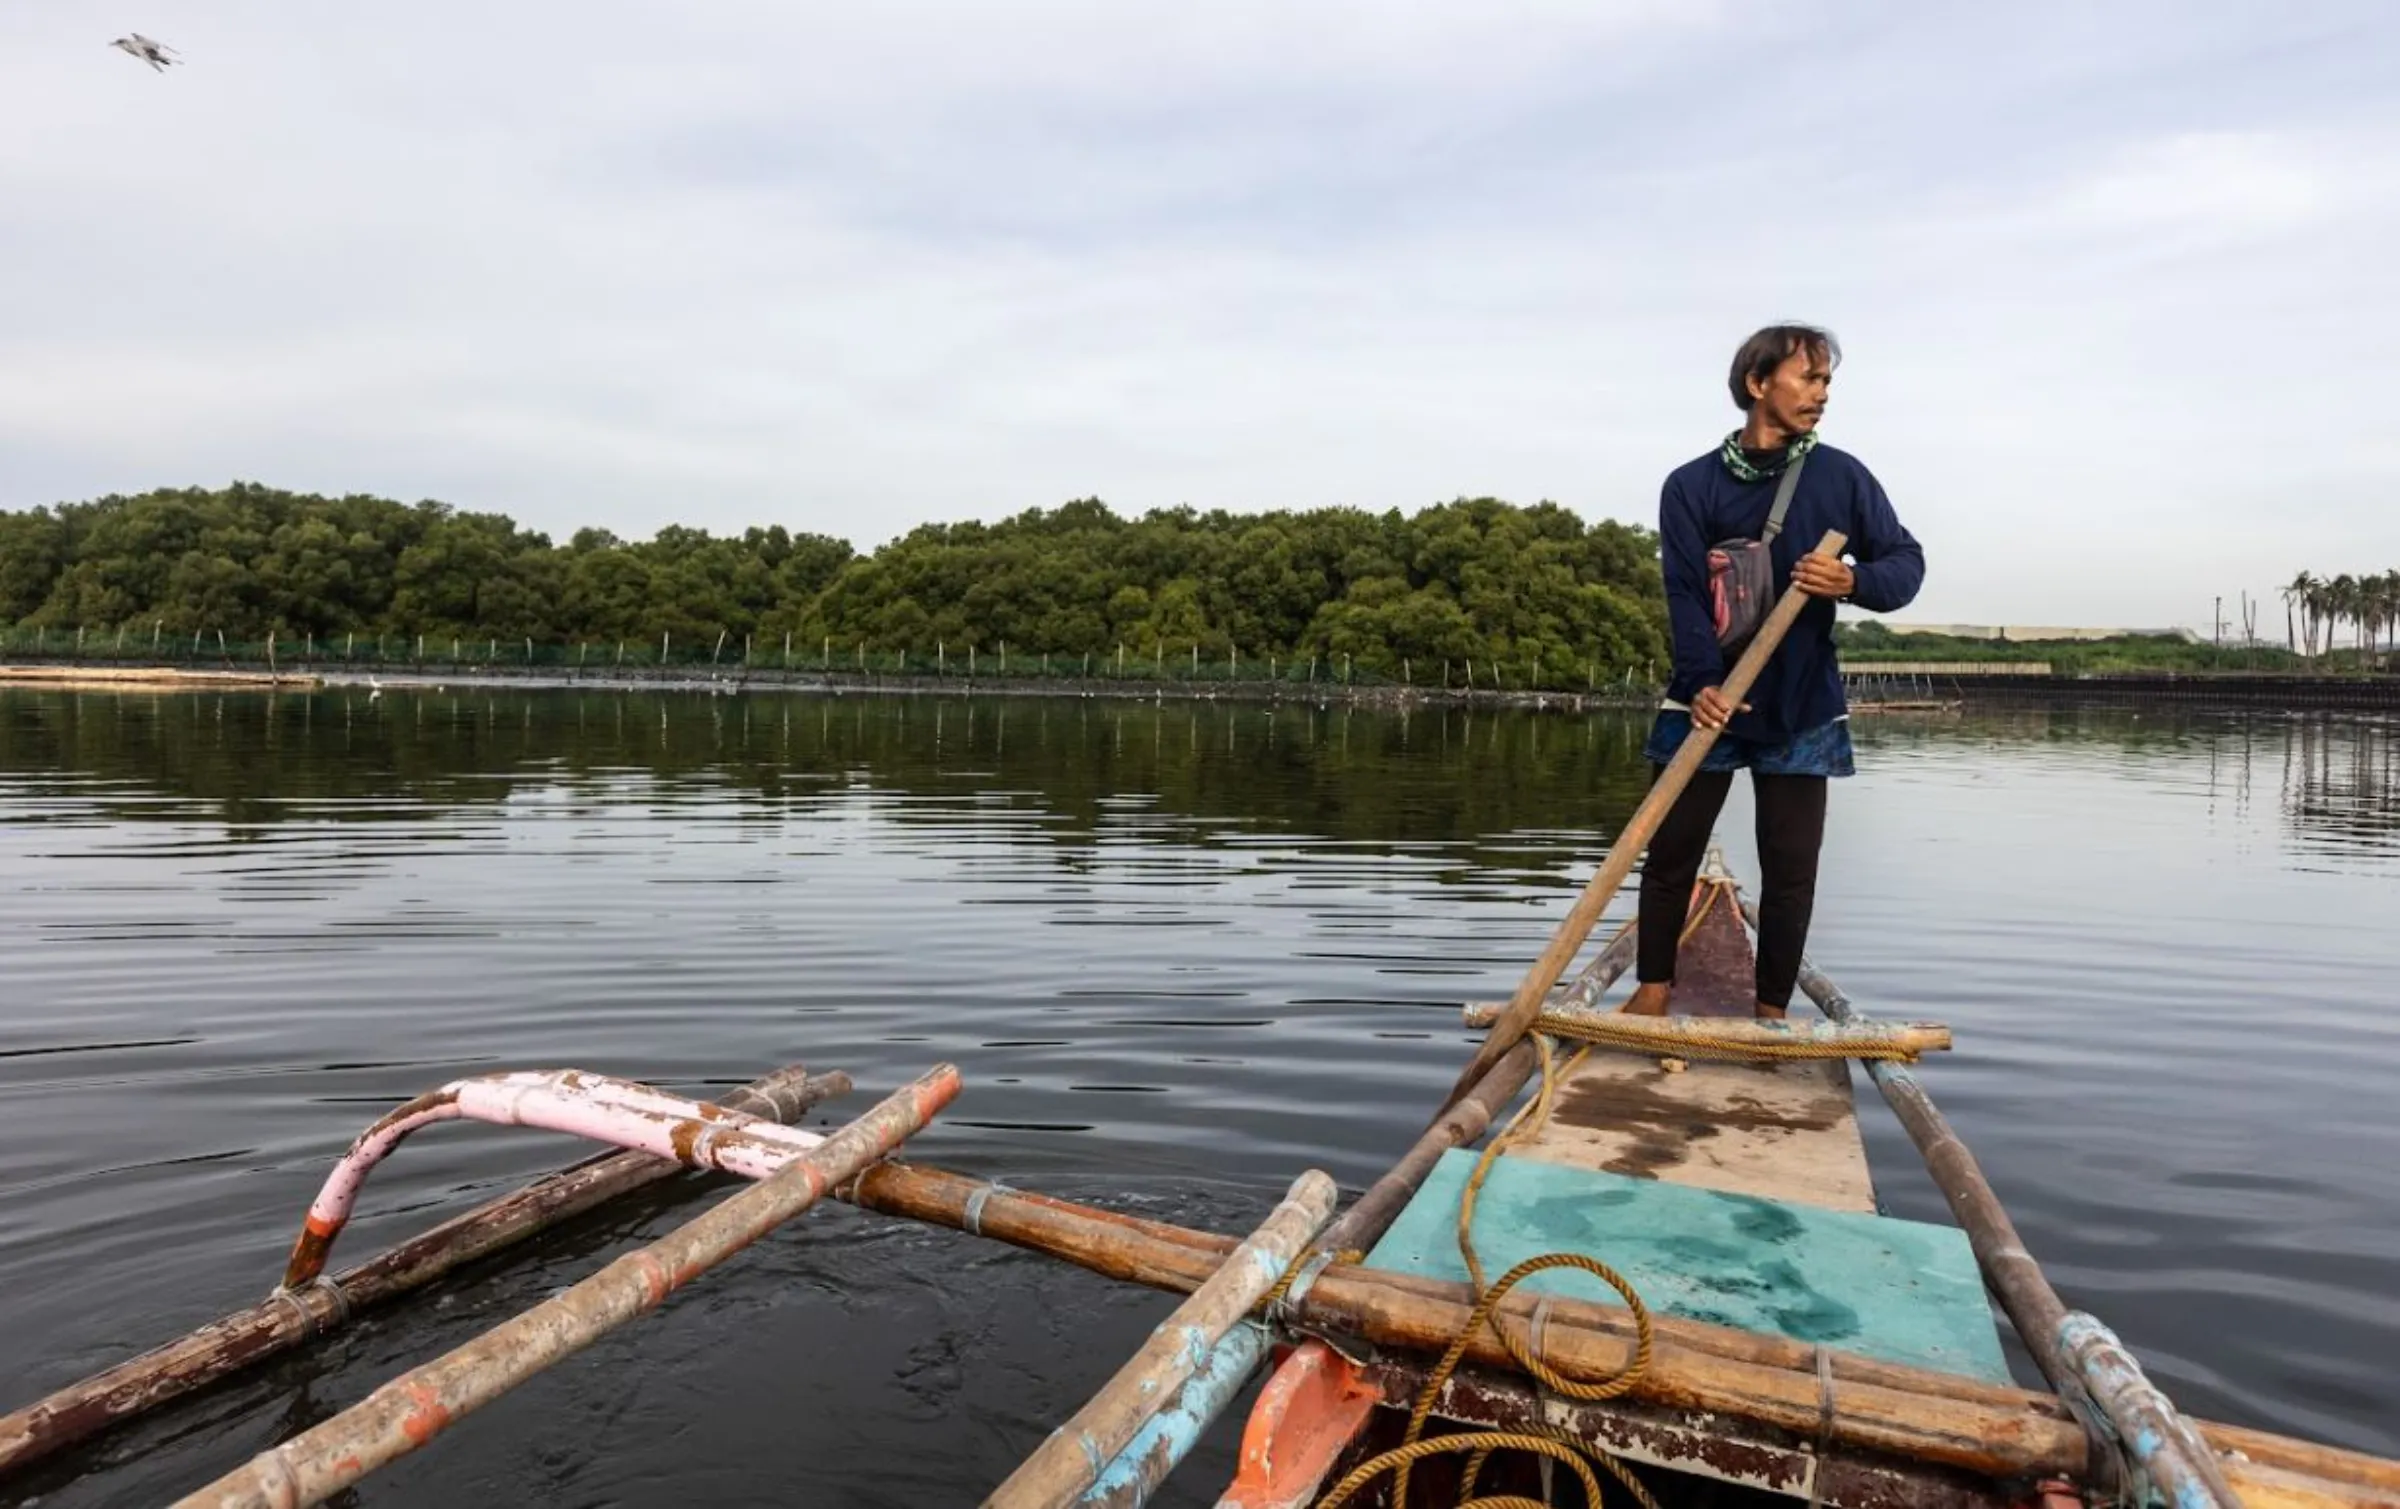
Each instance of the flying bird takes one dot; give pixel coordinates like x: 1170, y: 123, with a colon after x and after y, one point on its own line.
x: 157, y: 54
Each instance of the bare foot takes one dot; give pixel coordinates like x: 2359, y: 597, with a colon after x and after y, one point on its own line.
x: 1768, y: 1013
x: 1648, y: 999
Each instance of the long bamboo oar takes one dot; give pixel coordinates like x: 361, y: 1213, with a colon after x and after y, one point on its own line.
x: 1535, y: 987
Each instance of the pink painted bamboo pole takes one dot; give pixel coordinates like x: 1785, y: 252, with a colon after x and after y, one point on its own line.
x: 422, y: 1403
x: 597, y: 1106
x: 286, y: 1318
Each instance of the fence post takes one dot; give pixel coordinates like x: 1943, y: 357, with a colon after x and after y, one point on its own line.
x: 665, y: 638
x: 270, y: 652
x: 156, y: 629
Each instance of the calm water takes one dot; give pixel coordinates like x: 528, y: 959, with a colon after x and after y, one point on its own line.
x: 1181, y: 952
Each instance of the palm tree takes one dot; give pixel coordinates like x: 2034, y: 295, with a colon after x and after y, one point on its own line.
x: 2341, y: 602
x: 2297, y: 591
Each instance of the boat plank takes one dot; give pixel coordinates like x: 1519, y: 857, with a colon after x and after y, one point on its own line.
x: 1784, y: 1131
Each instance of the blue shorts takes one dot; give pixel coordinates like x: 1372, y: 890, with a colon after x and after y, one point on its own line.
x: 1822, y: 751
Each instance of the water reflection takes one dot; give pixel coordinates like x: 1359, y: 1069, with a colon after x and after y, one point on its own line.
x: 252, y: 760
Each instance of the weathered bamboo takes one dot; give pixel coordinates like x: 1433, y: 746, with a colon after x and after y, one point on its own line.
x: 2181, y: 1467
x: 1367, y: 1220
x: 1627, y: 847
x: 1155, y: 1451
x: 1886, y: 1407
x: 412, y: 1409
x: 1667, y: 1033
x: 1373, y: 1212
x: 287, y: 1319
x: 2026, y: 1297
x: 1071, y: 1458
x: 1909, y: 1411
x: 597, y: 1106
x: 1162, y: 1443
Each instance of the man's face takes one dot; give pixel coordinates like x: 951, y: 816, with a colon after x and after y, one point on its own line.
x: 1792, y: 398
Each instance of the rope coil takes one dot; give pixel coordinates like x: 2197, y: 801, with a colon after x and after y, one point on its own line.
x: 1552, y: 1445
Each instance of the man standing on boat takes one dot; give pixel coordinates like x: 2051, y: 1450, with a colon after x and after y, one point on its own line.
x: 1771, y: 481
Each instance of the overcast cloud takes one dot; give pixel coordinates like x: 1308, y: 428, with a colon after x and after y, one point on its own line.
x: 2113, y: 279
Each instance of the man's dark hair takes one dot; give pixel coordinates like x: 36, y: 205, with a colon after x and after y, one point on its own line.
x: 1771, y: 348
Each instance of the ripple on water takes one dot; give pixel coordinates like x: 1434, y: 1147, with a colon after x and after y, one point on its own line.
x: 1181, y: 952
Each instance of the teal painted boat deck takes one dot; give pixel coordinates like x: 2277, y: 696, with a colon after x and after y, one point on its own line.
x: 1899, y: 1290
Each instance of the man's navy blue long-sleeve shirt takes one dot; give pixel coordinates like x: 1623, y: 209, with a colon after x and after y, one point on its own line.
x: 1703, y: 503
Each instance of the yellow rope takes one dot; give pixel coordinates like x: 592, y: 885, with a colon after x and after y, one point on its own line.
x: 1579, y: 1457
x: 1527, y: 1354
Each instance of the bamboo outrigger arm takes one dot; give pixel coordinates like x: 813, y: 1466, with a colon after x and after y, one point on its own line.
x: 1668, y: 1034
x: 289, y: 1318
x: 2078, y: 1356
x: 604, y: 1109
x: 412, y: 1409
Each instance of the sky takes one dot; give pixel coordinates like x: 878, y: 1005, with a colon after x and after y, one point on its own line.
x: 2112, y: 280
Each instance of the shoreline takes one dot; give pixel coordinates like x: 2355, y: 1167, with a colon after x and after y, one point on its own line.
x: 1870, y: 692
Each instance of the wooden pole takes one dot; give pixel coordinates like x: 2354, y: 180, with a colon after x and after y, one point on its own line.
x: 1627, y: 849
x: 277, y: 1325
x: 1880, y: 1405
x: 1667, y: 1033
x: 1365, y: 1222
x: 1910, y: 1413
x: 1071, y: 1458
x: 411, y: 1410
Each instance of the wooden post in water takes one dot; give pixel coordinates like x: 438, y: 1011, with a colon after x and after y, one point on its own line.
x: 1626, y: 850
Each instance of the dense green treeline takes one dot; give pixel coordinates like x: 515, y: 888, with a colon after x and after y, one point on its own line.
x: 1474, y: 580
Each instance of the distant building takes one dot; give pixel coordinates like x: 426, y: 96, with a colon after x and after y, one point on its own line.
x: 2036, y: 633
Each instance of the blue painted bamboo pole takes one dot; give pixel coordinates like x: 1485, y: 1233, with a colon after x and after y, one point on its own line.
x: 1170, y: 1435
x: 1070, y: 1460
x: 2178, y: 1468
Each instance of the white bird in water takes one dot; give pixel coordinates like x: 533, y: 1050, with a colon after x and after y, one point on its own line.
x: 157, y: 54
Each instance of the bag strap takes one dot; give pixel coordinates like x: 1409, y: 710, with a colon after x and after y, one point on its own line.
x: 1783, y: 498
